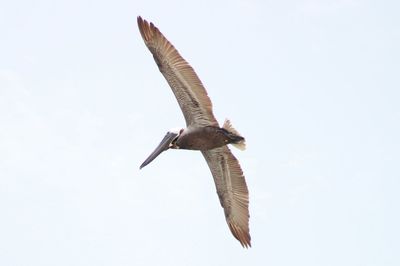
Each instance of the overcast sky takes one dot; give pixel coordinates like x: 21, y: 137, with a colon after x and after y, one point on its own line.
x: 314, y: 86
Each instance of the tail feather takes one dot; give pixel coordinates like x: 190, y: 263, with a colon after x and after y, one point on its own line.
x: 241, y: 144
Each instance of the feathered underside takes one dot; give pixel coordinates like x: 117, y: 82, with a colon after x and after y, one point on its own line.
x: 232, y: 191
x: 183, y: 80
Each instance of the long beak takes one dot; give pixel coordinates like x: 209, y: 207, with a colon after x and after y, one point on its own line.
x: 163, y: 146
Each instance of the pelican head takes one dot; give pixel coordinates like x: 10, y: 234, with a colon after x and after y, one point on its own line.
x: 168, y: 142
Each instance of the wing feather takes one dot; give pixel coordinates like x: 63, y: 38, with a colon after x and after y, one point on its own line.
x: 232, y: 191
x: 183, y: 80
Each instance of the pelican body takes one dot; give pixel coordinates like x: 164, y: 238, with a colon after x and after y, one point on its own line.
x: 206, y: 138
x: 197, y: 138
x: 202, y: 133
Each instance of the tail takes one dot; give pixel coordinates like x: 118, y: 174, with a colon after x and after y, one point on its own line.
x: 241, y: 144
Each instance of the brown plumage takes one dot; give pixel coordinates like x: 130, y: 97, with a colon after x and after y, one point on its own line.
x: 201, y: 127
x: 232, y: 191
x: 184, y: 82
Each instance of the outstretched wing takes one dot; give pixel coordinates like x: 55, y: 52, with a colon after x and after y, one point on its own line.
x: 187, y: 87
x: 232, y: 191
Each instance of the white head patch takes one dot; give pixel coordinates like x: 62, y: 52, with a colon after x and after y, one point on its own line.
x: 175, y: 130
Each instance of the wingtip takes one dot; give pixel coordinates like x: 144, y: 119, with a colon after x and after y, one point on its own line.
x: 140, y: 20
x: 242, y: 235
x: 147, y: 29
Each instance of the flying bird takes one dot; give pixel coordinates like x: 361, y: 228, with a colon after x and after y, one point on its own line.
x: 202, y: 131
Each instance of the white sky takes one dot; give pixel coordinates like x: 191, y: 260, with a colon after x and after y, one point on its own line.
x: 312, y: 85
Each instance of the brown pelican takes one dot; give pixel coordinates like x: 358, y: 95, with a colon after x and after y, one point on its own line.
x: 202, y: 132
